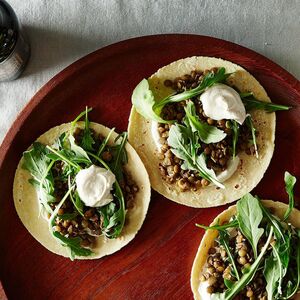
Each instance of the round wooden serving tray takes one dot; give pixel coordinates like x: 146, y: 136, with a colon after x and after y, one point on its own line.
x: 157, y: 264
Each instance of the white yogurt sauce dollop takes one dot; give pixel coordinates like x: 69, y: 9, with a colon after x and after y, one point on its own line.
x: 222, y: 102
x: 94, y: 186
x: 232, y: 166
x: 156, y: 136
x: 202, y: 290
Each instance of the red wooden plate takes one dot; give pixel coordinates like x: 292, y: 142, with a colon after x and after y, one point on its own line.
x: 157, y: 264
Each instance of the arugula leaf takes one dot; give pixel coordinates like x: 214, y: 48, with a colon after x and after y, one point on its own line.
x: 83, y: 113
x: 209, y: 80
x: 70, y: 216
x: 107, y: 212
x: 224, y: 241
x: 111, y: 220
x: 272, y: 220
x: 119, y: 216
x: 290, y: 182
x: 232, y: 224
x: 60, y: 142
x: 80, y: 154
x: 120, y: 155
x: 272, y: 274
x: 283, y: 239
x: 251, y: 103
x: 150, y: 108
x: 144, y: 102
x: 249, y: 216
x: 208, y: 134
x: 105, y: 142
x: 182, y: 143
x: 67, y: 156
x: 247, y: 277
x: 294, y: 281
x: 78, y: 204
x: 87, y: 139
x: 39, y: 165
x: 249, y: 123
x: 73, y: 243
x: 228, y: 283
x: 37, y: 162
x: 235, y: 127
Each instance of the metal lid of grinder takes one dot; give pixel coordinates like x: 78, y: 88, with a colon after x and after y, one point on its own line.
x: 14, y: 46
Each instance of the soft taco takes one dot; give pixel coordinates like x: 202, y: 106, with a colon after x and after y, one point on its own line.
x: 204, y: 128
x: 250, y: 251
x: 81, y: 190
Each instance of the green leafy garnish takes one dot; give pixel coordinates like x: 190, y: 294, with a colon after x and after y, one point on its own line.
x: 272, y: 273
x: 105, y: 143
x: 112, y: 218
x: 78, y: 204
x: 73, y: 243
x: 69, y: 216
x: 184, y: 144
x: 207, y: 134
x: 144, y: 102
x: 87, y: 139
x: 251, y: 103
x: 235, y: 127
x: 290, y: 182
x: 66, y: 156
x: 209, y: 80
x: 232, y: 224
x: 37, y: 162
x: 150, y: 108
x: 108, y: 214
x: 120, y: 155
x: 224, y: 241
x: 293, y: 282
x: 249, y: 123
x: 79, y: 155
x: 249, y: 215
x: 73, y: 123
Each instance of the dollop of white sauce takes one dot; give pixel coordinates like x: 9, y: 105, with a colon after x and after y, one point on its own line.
x: 94, y: 186
x: 156, y: 136
x: 222, y: 102
x: 232, y: 166
x: 202, y: 290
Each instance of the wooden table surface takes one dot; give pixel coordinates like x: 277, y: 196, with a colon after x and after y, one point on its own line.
x: 157, y: 264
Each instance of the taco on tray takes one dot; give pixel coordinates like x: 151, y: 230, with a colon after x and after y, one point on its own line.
x: 204, y: 128
x: 81, y: 190
x: 250, y: 251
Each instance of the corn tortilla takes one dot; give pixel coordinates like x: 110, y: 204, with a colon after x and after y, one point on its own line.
x: 250, y: 170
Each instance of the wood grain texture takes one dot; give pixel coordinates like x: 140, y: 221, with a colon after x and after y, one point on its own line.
x: 157, y: 264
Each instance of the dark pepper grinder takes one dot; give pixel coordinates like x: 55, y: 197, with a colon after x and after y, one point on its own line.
x: 14, y: 46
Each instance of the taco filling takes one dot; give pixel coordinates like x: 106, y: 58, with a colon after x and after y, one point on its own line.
x: 201, y: 128
x: 83, y: 187
x: 255, y: 253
